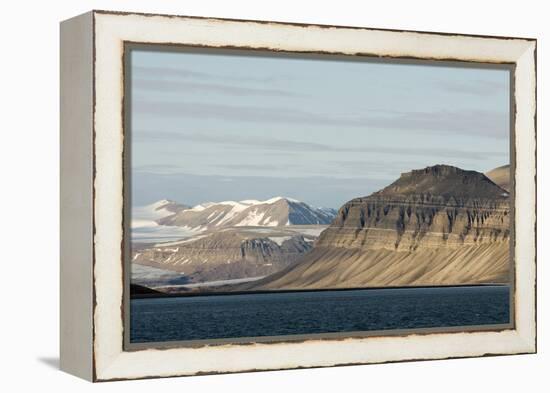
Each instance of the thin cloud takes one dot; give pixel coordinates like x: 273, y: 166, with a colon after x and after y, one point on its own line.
x: 266, y: 143
x: 169, y: 86
x: 160, y: 169
x: 166, y: 72
x: 252, y: 167
x: 465, y: 122
x: 193, y: 189
x: 478, y: 88
x: 239, y: 113
x: 334, y: 168
x: 162, y: 73
x: 360, y: 166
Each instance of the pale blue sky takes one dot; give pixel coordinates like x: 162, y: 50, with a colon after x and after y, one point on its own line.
x: 209, y: 127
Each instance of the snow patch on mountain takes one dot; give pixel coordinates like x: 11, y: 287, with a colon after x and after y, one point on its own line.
x: 166, y: 220
x: 280, y: 239
x: 145, y: 226
x: 273, y: 212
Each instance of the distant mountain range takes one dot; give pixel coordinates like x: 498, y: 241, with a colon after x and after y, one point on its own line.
x: 274, y: 212
x: 440, y: 225
x: 223, y: 240
x: 147, y: 215
x: 224, y: 254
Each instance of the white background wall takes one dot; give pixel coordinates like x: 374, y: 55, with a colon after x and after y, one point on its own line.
x: 29, y: 195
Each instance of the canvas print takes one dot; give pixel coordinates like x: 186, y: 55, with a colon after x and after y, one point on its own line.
x: 278, y: 196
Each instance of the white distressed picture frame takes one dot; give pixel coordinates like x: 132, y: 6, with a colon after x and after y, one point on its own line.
x: 92, y: 203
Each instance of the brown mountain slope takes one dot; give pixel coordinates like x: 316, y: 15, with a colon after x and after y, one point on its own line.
x: 500, y: 176
x: 231, y: 253
x: 436, y: 226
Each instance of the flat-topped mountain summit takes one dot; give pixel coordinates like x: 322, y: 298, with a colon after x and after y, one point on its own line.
x: 440, y: 225
x: 443, y: 181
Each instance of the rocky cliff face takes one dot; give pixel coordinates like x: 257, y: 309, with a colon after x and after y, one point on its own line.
x: 232, y: 253
x: 436, y: 226
x: 439, y: 206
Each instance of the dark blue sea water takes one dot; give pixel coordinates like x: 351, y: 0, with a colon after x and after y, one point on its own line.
x: 253, y: 315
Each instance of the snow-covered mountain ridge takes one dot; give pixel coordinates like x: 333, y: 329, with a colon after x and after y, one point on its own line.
x: 274, y: 212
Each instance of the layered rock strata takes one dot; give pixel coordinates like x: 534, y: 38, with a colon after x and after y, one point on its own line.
x: 436, y: 226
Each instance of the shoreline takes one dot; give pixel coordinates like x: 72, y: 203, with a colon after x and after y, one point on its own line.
x: 275, y: 291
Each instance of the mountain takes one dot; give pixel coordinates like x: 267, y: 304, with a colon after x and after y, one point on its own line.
x: 273, y: 212
x: 225, y: 254
x: 221, y: 241
x: 440, y: 225
x: 136, y: 290
x: 154, y: 211
x: 164, y: 207
x: 443, y: 181
x: 145, y: 227
x: 500, y: 176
